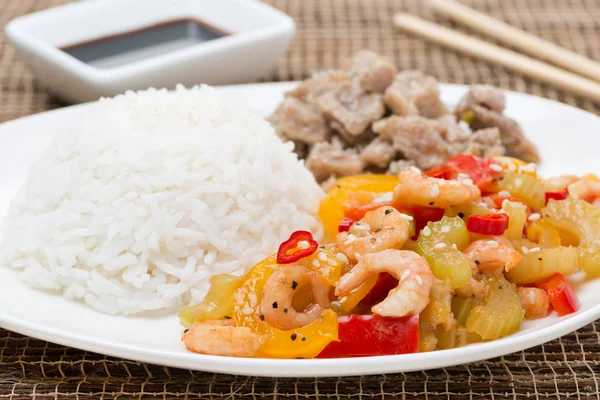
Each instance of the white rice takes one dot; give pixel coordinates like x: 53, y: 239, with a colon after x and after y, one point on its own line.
x: 147, y: 195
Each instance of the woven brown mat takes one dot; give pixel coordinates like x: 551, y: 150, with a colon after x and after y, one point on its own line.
x: 327, y: 31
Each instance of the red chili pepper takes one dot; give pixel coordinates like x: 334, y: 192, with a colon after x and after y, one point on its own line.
x: 372, y: 335
x: 557, y: 195
x: 488, y: 224
x: 357, y: 213
x: 290, y: 252
x: 562, y: 296
x: 385, y: 283
x: 345, y: 224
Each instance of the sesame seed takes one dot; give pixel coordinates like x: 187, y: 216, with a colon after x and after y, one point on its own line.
x: 331, y: 262
x: 322, y: 256
x: 534, y: 217
x: 357, y: 256
x: 406, y: 217
x: 405, y: 275
x: 505, y: 203
x: 518, y: 182
x: 303, y: 244
x: 419, y: 280
x: 462, y: 176
x: 532, y: 297
x: 426, y: 231
x: 316, y: 263
x: 525, y: 249
x: 468, y: 182
x: 454, y: 246
x: 439, y: 246
x: 512, y: 167
x: 342, y: 257
x: 496, y: 167
x: 414, y: 170
x: 351, y: 238
x: 534, y: 250
x: 361, y: 227
x: 529, y: 168
x: 493, y: 244
x: 445, y: 229
x: 435, y: 191
x: 504, y: 193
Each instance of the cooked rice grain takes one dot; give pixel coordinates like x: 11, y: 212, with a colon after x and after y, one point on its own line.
x: 148, y: 194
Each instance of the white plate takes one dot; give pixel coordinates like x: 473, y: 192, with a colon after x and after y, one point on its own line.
x: 563, y: 134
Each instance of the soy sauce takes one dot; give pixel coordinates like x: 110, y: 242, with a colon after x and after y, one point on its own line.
x: 125, y: 48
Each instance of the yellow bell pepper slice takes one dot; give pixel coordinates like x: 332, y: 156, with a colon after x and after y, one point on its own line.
x: 331, y: 210
x: 520, y: 166
x: 543, y: 233
x: 217, y: 304
x: 325, y: 264
x: 305, y: 342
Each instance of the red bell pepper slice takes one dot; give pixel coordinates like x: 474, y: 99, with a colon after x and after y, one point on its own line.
x: 345, y: 224
x: 423, y: 215
x: 385, y: 283
x: 562, y: 296
x: 293, y: 249
x: 488, y: 224
x: 442, y: 172
x: 477, y: 168
x: 373, y: 335
x: 557, y: 195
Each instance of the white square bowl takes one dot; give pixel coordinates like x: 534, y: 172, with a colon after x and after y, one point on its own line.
x: 259, y: 35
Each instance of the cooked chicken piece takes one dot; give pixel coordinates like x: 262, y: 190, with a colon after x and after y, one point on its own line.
x: 487, y: 114
x: 299, y: 121
x: 353, y: 108
x: 413, y: 93
x: 374, y: 72
x: 379, y: 153
x: 398, y: 166
x: 485, y: 143
x: 325, y: 160
x: 483, y: 95
x: 319, y: 84
x: 428, y: 142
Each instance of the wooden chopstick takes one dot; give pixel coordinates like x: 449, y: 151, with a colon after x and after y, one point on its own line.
x: 508, y: 59
x: 524, y: 41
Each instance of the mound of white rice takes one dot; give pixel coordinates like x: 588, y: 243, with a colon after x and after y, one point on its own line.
x: 148, y: 194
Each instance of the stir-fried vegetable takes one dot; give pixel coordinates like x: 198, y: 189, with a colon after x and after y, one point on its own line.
x: 525, y: 187
x: 536, y: 266
x: 217, y: 304
x: 501, y: 314
x: 517, y: 214
x: 440, y: 243
x: 562, y: 296
x: 488, y: 224
x: 301, y: 244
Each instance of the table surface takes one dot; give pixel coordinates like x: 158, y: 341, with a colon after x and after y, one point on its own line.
x: 328, y: 31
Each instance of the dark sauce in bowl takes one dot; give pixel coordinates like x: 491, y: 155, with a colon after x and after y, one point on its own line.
x: 127, y: 47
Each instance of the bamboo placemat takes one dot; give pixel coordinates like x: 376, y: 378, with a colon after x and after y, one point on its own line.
x: 327, y: 31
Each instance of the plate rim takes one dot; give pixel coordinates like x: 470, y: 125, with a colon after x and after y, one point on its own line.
x: 314, y: 367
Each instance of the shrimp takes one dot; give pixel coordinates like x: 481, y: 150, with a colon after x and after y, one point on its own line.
x: 559, y: 183
x: 222, y: 338
x: 535, y: 302
x: 415, y: 278
x: 381, y: 229
x: 493, y: 256
x: 585, y: 188
x: 476, y: 289
x: 420, y: 190
x: 276, y: 305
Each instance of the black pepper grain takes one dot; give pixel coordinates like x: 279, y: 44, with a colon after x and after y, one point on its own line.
x: 293, y: 337
x: 285, y: 310
x: 275, y: 305
x: 262, y: 317
x: 338, y: 186
x: 304, y: 338
x: 377, y: 230
x: 540, y: 258
x: 500, y: 287
x: 477, y: 262
x: 373, y: 240
x: 294, y: 285
x: 186, y: 331
x: 227, y: 317
x: 388, y: 211
x: 431, y: 203
x: 461, y: 215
